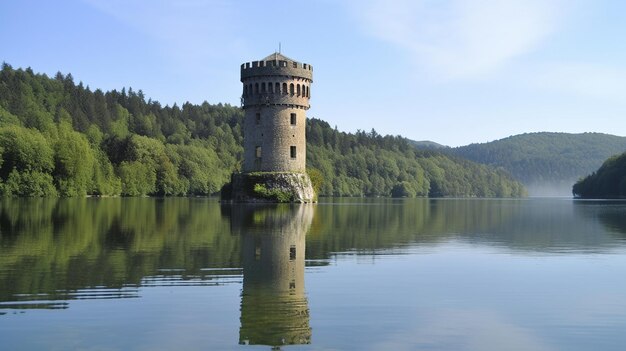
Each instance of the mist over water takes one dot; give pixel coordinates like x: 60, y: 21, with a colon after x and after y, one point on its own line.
x: 551, y: 189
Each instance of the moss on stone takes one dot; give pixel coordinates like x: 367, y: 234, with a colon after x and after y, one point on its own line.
x: 272, y: 194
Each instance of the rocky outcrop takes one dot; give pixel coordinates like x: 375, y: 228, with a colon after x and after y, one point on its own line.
x: 269, y: 187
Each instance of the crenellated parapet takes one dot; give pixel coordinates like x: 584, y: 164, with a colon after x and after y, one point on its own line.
x: 276, y: 67
x: 276, y: 81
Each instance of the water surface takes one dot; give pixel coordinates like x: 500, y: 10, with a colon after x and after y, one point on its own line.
x: 161, y: 274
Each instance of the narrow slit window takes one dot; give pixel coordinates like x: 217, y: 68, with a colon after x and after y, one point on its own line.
x: 293, y: 119
x: 292, y: 252
x: 292, y: 150
x: 257, y: 152
x: 257, y: 119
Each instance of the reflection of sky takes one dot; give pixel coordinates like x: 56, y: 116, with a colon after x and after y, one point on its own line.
x: 164, y: 318
x: 464, y: 297
x: 456, y: 296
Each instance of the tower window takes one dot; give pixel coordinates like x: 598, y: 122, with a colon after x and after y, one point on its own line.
x: 292, y: 150
x: 257, y: 152
x: 293, y: 119
x: 257, y: 119
x: 284, y: 88
x: 292, y: 252
x: 291, y: 89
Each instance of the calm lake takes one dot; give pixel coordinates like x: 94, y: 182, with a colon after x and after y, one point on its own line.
x: 379, y: 274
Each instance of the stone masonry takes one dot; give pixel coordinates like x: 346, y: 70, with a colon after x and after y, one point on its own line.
x: 276, y: 93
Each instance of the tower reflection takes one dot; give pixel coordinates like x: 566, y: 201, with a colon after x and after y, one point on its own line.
x: 274, y: 307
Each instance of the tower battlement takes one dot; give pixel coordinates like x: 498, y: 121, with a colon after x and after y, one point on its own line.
x: 276, y: 65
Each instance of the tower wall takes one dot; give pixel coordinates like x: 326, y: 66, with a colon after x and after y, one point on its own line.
x: 276, y: 93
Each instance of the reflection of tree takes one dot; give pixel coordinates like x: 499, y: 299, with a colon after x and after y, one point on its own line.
x: 56, y: 247
x: 274, y: 308
x: 53, y: 247
x: 366, y: 225
x: 612, y: 214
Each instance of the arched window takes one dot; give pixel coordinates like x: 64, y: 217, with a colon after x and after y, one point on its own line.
x: 298, y: 89
x: 277, y: 88
x: 256, y: 88
x: 270, y: 88
x: 263, y: 87
x: 284, y: 88
x: 245, y: 90
x: 291, y: 88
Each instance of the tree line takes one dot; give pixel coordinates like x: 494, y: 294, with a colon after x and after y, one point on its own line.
x: 59, y: 138
x: 609, y: 181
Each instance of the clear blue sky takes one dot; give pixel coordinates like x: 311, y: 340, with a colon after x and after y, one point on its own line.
x: 451, y: 71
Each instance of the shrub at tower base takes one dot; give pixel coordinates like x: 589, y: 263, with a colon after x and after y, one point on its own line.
x: 269, y: 187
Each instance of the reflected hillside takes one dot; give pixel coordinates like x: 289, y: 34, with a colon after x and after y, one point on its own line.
x: 366, y: 226
x: 52, y: 248
x: 611, y: 213
x: 55, y: 250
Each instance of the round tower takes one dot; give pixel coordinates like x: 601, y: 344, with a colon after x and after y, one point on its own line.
x: 276, y: 92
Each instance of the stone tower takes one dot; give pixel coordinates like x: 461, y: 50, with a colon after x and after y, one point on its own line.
x: 276, y: 92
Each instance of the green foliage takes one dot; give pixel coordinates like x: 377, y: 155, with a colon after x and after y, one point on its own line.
x: 29, y: 183
x: 104, y: 182
x: 609, y: 181
x: 138, y: 179
x: 317, y: 179
x: 74, y: 162
x: 403, y: 189
x: 25, y: 149
x: 117, y: 143
x: 368, y: 164
x: 546, y: 157
x: 274, y: 194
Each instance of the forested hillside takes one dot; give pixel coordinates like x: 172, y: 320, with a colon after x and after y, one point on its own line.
x: 59, y: 138
x: 537, y: 158
x: 609, y: 181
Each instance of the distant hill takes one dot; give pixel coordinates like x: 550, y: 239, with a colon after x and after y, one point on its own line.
x: 427, y: 144
x: 607, y: 182
x: 547, y: 163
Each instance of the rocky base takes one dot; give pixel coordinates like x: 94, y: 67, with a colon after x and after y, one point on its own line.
x: 269, y: 187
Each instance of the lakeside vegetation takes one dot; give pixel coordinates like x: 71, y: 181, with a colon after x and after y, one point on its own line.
x: 609, y: 181
x: 58, y: 138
